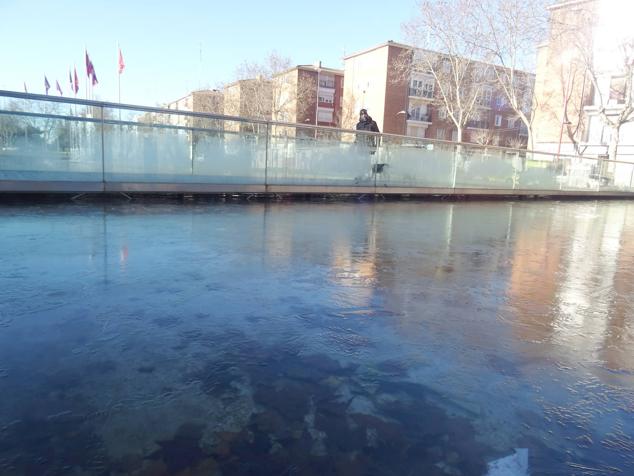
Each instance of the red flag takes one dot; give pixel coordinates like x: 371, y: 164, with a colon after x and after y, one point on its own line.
x: 94, y: 77
x: 59, y: 88
x: 121, y: 63
x: 47, y: 86
x: 70, y: 79
x: 76, y: 86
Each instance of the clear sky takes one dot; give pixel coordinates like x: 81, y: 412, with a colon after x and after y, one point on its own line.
x: 163, y: 41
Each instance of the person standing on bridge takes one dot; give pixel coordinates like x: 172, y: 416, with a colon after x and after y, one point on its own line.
x: 366, y: 123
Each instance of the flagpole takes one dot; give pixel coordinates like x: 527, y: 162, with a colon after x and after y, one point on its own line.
x: 119, y: 72
x: 85, y: 56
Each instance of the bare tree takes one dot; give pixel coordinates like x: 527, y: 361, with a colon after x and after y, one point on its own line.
x: 272, y: 89
x: 508, y: 31
x: 441, y: 32
x: 516, y: 142
x: 485, y: 137
x: 10, y: 127
x: 573, y: 118
x: 602, y: 48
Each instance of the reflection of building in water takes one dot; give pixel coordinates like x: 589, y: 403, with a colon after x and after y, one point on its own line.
x: 618, y: 346
x: 566, y: 267
x: 533, y: 285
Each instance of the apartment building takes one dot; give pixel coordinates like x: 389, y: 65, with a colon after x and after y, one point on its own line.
x: 204, y: 100
x: 308, y: 94
x: 411, y: 106
x: 584, y: 98
x: 562, y: 87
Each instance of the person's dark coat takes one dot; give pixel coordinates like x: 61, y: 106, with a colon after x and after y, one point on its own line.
x: 366, y: 123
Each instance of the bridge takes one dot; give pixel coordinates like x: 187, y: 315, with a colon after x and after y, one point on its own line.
x: 56, y: 144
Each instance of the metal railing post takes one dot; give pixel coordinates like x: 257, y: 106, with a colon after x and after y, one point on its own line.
x: 455, y: 166
x: 103, y: 151
x: 191, y: 150
x: 266, y: 157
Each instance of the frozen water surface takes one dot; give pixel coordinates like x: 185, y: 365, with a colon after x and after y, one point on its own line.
x: 315, y: 339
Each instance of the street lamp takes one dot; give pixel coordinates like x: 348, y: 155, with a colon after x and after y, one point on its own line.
x: 406, y: 114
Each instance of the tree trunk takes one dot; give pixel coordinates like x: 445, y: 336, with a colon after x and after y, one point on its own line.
x: 614, y: 142
x: 529, y: 140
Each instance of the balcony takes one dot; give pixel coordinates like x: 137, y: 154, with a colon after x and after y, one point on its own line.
x: 421, y: 93
x: 484, y: 102
x: 479, y: 124
x: 419, y: 117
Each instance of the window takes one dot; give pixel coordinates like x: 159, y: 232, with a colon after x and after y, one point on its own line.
x: 327, y: 83
x: 326, y: 99
x: 419, y: 114
x: 440, y: 134
x: 510, y: 123
x: 484, y: 98
x: 324, y: 115
x: 421, y: 88
x: 498, y: 120
x: 617, y: 90
x: 442, y: 114
x: 428, y: 90
x: 500, y: 102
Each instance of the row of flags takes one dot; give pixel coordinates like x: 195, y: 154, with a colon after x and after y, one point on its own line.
x: 73, y: 79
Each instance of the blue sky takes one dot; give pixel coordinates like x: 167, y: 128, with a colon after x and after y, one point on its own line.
x: 162, y: 40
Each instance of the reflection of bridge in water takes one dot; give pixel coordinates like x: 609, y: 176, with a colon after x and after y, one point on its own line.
x: 52, y: 144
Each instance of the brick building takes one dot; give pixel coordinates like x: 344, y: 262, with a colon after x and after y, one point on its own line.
x: 562, y: 88
x: 205, y: 100
x: 410, y: 106
x: 308, y: 94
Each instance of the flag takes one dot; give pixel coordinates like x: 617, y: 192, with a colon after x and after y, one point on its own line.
x: 70, y: 80
x: 90, y: 69
x: 76, y: 87
x: 47, y: 86
x: 121, y: 62
x: 25, y: 90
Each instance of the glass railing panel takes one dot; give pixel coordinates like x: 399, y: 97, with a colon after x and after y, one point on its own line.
x: 230, y: 152
x: 483, y: 167
x: 413, y: 162
x: 300, y: 155
x: 49, y: 141
x: 177, y: 147
x: 533, y: 171
x: 617, y: 176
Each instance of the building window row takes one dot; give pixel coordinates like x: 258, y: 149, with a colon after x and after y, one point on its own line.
x: 327, y: 83
x: 420, y: 88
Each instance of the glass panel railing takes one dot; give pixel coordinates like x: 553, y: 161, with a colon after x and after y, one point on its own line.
x: 413, y: 162
x: 44, y: 141
x: 173, y: 147
x: 57, y: 139
x: 484, y: 167
x: 615, y: 176
x: 235, y: 153
x: 534, y: 171
x: 300, y: 155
